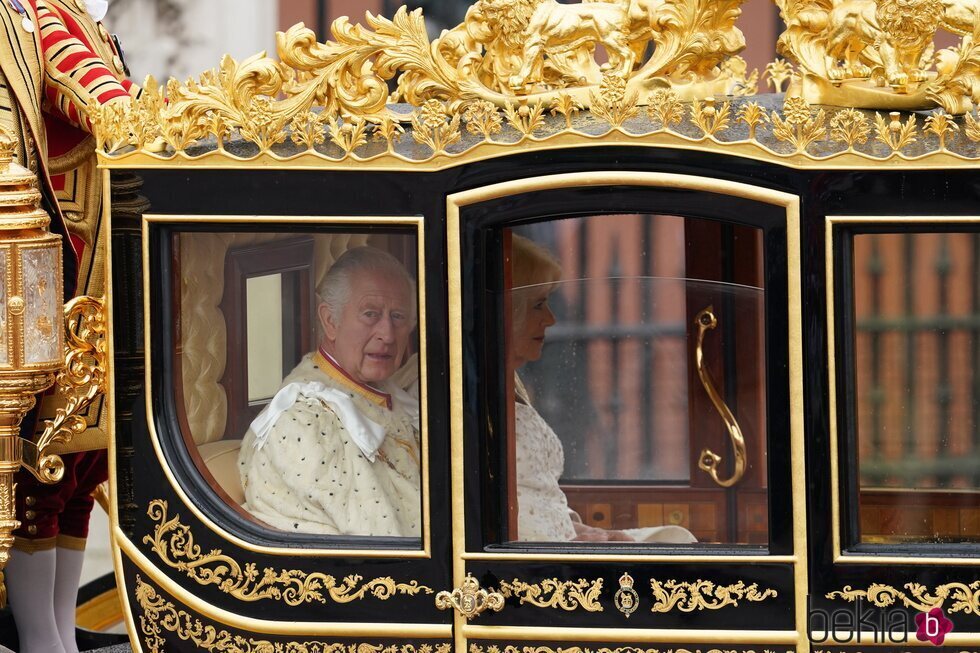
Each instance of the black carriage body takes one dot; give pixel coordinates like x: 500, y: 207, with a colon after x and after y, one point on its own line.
x: 185, y: 553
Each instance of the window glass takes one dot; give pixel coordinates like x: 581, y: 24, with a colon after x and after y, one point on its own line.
x: 299, y: 377
x: 917, y: 349
x: 608, y: 414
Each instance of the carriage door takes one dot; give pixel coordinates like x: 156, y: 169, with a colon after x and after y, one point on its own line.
x: 623, y: 348
x: 239, y: 534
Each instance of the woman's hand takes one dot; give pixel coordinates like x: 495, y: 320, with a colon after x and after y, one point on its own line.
x: 585, y: 533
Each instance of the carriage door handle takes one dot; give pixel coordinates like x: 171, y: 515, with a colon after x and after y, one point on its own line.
x: 470, y: 600
x: 708, y: 460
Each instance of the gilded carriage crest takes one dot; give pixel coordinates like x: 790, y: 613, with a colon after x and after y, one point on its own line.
x: 882, y: 53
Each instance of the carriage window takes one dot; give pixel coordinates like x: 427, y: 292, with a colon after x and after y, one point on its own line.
x: 917, y: 374
x: 299, y: 380
x: 635, y: 371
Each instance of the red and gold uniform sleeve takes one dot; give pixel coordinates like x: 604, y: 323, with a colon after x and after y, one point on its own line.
x: 75, y: 76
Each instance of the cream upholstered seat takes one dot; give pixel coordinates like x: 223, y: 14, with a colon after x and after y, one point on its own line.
x: 221, y: 459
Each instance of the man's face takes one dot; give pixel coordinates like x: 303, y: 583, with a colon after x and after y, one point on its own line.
x: 371, y: 335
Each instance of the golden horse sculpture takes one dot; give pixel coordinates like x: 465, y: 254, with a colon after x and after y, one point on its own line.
x: 881, y: 53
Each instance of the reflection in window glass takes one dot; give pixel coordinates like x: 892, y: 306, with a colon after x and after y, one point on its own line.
x: 263, y: 319
x: 609, y: 415
x: 299, y: 394
x: 917, y: 344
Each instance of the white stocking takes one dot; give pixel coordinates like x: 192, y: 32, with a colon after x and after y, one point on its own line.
x: 69, y: 572
x: 30, y: 591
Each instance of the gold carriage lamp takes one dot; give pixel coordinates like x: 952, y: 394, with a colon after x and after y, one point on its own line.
x: 32, y: 337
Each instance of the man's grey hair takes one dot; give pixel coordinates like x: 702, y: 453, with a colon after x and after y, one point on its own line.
x: 335, y: 288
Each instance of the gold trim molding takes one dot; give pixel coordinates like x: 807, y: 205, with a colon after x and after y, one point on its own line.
x: 965, y: 598
x: 703, y: 595
x: 160, y: 616
x: 174, y: 544
x: 553, y: 593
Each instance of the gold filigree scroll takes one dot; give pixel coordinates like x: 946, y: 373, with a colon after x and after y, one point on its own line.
x: 703, y: 595
x: 174, y: 543
x: 80, y: 382
x: 881, y: 54
x: 159, y: 617
x: 506, y: 52
x: 963, y: 598
x: 553, y: 593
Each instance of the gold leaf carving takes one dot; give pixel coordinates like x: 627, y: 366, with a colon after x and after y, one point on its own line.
x: 482, y: 118
x: 799, y: 125
x: 753, y: 115
x: 972, y: 129
x: 613, y: 102
x: 435, y: 124
x: 703, y: 595
x: 160, y: 616
x: 778, y: 73
x: 710, y: 118
x: 525, y: 118
x: 893, y: 132
x: 567, y: 106
x: 964, y: 598
x: 941, y: 125
x: 174, y: 543
x: 851, y: 127
x: 879, y: 54
x: 553, y: 593
x: 666, y: 108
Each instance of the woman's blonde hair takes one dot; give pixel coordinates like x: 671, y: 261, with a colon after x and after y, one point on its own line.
x: 531, y: 264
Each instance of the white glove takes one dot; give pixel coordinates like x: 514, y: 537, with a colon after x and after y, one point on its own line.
x: 97, y: 8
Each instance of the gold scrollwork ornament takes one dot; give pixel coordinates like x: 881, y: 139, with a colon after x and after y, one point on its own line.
x: 703, y: 595
x: 470, y: 600
x: 553, y: 593
x: 964, y: 598
x: 173, y: 542
x: 626, y: 599
x: 81, y: 381
x: 160, y: 616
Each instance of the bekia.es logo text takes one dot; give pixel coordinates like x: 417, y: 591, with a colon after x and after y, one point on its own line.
x: 862, y: 623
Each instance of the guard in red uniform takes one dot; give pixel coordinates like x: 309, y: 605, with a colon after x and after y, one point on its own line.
x: 57, y: 61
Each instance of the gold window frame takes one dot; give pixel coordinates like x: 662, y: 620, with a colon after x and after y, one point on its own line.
x: 791, y: 203
x: 417, y: 221
x: 840, y: 558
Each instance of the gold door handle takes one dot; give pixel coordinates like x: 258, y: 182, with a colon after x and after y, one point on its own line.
x: 708, y: 460
x: 470, y: 600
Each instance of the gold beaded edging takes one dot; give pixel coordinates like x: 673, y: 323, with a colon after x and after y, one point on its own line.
x: 174, y: 544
